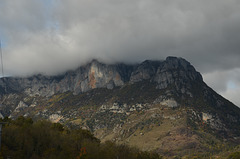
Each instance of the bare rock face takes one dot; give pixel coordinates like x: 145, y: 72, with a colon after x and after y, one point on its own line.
x: 145, y: 70
x: 1, y: 116
x: 93, y: 75
x: 98, y: 75
x: 170, y: 103
x: 176, y: 71
x: 85, y: 78
x: 21, y: 105
x: 134, y: 101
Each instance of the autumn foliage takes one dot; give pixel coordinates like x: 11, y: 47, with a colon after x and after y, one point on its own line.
x: 24, y: 139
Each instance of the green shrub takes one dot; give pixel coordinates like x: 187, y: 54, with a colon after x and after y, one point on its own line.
x: 234, y: 155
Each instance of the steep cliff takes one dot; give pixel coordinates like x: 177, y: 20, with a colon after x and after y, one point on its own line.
x: 152, y: 105
x: 98, y: 75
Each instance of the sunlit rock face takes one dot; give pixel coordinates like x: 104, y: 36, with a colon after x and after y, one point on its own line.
x: 172, y: 71
x: 126, y: 103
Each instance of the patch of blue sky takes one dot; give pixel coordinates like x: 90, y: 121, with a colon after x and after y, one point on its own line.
x: 53, y: 25
x: 231, y: 85
x: 48, y: 3
x: 3, y: 40
x: 50, y: 22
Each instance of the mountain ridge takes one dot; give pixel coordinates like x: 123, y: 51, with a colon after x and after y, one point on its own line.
x: 99, y: 75
x: 152, y: 105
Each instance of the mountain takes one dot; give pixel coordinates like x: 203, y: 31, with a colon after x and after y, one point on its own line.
x: 155, y: 105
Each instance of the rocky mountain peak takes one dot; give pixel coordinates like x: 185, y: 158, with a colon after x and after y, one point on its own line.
x: 174, y: 63
x: 172, y: 71
x: 95, y: 74
x: 163, y: 102
x: 176, y: 71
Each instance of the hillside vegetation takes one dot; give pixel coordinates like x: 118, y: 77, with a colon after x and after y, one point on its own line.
x: 159, y: 106
x: 24, y: 139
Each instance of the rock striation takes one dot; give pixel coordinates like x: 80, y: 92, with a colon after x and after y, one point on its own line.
x: 172, y: 71
x: 154, y: 105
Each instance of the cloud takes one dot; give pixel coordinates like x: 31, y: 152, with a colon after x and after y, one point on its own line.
x: 128, y: 31
x: 227, y: 83
x: 232, y: 95
x: 135, y: 30
x: 56, y: 35
x: 21, y: 16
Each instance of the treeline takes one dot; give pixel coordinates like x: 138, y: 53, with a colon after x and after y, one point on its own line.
x: 24, y: 139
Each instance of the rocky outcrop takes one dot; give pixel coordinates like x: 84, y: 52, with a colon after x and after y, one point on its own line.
x: 137, y: 103
x: 176, y: 71
x: 93, y: 75
x: 20, y: 106
x: 145, y: 70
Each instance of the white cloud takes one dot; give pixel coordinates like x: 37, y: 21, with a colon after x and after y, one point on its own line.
x: 232, y: 95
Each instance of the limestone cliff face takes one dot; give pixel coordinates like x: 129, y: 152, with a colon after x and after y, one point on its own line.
x: 93, y: 75
x: 173, y: 70
x: 137, y: 101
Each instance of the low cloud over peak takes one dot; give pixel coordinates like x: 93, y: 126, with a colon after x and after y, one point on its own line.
x: 57, y: 35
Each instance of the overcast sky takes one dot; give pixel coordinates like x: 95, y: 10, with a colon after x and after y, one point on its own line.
x: 51, y: 36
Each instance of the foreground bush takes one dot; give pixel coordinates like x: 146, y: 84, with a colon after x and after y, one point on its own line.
x: 234, y: 155
x: 24, y: 139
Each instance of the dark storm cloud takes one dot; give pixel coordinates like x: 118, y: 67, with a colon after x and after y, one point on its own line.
x: 56, y: 35
x: 203, y: 32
